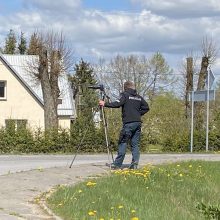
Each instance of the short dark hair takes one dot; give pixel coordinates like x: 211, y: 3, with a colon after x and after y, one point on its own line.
x: 128, y: 85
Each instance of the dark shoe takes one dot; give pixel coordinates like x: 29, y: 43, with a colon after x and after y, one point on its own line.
x: 113, y: 166
x: 133, y: 166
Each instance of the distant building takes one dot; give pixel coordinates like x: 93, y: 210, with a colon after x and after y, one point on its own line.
x: 21, y: 99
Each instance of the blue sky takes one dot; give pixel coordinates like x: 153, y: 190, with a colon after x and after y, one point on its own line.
x: 10, y: 6
x: 104, y: 5
x: 111, y: 5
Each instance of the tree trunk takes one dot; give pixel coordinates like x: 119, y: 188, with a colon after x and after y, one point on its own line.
x: 199, y: 106
x: 50, y: 109
x: 55, y: 71
x: 189, y: 84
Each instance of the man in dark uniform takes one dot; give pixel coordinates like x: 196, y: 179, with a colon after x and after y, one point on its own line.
x: 133, y: 107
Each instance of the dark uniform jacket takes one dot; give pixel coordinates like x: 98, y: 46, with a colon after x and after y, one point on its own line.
x: 133, y: 106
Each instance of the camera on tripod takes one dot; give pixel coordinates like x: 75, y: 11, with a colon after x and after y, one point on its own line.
x: 100, y: 87
x: 103, y: 95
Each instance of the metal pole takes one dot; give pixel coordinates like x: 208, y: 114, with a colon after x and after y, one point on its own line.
x: 192, y: 116
x: 207, y: 115
x: 106, y: 135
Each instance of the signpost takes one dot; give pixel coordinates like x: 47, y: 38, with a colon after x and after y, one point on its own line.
x: 201, y: 96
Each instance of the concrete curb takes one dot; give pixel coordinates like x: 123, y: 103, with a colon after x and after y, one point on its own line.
x: 42, y: 204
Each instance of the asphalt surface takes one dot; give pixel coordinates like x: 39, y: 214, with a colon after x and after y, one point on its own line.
x: 23, y: 178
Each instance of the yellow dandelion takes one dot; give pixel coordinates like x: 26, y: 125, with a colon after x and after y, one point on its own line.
x: 135, y: 218
x: 91, y: 213
x: 168, y: 174
x: 40, y: 169
x: 181, y: 174
x: 178, y: 165
x: 91, y: 183
x: 120, y: 206
x: 80, y: 191
x: 101, y: 219
x: 190, y: 166
x: 133, y: 211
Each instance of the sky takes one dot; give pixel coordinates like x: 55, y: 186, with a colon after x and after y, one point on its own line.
x: 104, y: 28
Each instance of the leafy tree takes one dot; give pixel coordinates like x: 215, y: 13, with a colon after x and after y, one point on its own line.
x: 22, y: 46
x: 165, y: 124
x: 10, y: 43
x: 159, y: 74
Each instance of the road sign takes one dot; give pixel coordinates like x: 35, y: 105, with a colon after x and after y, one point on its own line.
x: 211, y: 80
x: 202, y: 95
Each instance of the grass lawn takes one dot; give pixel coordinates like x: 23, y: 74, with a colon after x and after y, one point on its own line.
x: 171, y: 191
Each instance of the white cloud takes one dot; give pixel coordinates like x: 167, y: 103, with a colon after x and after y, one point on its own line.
x: 54, y: 5
x: 95, y: 33
x: 181, y: 8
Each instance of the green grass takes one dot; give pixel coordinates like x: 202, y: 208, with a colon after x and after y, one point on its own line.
x: 163, y: 192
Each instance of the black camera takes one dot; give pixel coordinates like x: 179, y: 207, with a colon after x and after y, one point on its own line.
x: 100, y: 87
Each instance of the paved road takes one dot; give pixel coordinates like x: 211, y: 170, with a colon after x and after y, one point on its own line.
x: 18, y: 163
x: 18, y: 190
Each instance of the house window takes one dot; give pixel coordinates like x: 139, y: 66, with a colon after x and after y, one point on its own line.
x: 2, y: 90
x: 15, y: 124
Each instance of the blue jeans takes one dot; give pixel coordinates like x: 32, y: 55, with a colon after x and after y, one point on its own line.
x: 130, y: 131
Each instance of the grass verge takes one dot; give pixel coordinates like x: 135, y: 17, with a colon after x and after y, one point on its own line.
x: 172, y: 191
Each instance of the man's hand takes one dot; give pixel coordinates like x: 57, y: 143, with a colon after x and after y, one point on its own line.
x: 101, y: 103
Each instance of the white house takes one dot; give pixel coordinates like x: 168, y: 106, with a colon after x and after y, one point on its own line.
x: 21, y: 98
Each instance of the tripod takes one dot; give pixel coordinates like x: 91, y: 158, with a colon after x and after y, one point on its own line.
x: 103, y: 96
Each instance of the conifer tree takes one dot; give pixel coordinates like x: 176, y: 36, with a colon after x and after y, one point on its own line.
x: 10, y: 43
x: 86, y: 104
x: 33, y: 45
x: 22, y: 47
x: 86, y: 98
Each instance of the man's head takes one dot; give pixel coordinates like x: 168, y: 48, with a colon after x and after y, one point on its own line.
x: 128, y: 85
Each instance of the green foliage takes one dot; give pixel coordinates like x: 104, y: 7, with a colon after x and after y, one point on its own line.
x: 10, y: 43
x: 86, y: 136
x: 165, y: 124
x: 22, y: 46
x: 33, y: 46
x: 83, y: 130
x: 209, y: 211
x: 114, y: 124
x: 38, y: 141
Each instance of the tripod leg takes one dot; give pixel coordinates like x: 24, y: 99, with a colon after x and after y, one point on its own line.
x: 106, y: 138
x: 80, y: 144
